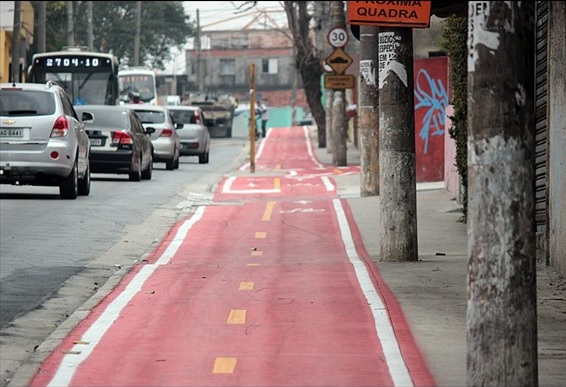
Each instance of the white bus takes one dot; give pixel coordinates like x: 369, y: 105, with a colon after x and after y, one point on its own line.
x: 138, y: 80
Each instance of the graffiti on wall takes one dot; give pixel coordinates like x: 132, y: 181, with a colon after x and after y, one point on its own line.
x: 430, y: 95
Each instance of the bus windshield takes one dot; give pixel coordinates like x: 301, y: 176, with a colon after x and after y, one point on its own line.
x: 88, y: 77
x: 141, y: 83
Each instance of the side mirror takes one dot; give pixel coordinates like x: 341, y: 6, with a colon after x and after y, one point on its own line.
x: 87, y: 117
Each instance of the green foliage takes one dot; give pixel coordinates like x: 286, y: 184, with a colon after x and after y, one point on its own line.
x: 164, y: 25
x: 454, y: 42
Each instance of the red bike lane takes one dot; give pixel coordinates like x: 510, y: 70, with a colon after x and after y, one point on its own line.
x: 269, y: 286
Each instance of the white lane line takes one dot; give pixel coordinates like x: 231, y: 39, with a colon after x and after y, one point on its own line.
x: 98, y: 329
x: 395, y: 362
x: 227, y: 188
x: 309, y: 146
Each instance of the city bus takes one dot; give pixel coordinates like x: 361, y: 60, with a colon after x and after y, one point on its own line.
x: 88, y: 77
x: 140, y: 82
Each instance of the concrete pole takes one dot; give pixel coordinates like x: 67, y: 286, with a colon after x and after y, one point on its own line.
x: 200, y: 75
x: 41, y: 26
x: 70, y: 25
x: 15, y: 67
x: 397, y: 161
x: 501, y: 283
x: 369, y: 112
x: 90, y: 32
x: 329, y: 119
x: 339, y: 132
x: 137, y: 36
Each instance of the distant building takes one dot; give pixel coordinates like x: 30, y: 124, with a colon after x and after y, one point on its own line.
x: 26, y: 37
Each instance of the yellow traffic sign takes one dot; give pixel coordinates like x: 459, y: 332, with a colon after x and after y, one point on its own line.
x: 339, y: 61
x: 339, y: 81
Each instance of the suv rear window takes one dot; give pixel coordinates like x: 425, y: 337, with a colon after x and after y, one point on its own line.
x: 183, y: 116
x: 17, y: 102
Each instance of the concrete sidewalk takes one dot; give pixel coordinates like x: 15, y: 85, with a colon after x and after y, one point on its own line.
x: 432, y: 291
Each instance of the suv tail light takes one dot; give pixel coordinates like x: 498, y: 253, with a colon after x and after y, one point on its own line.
x: 122, y: 138
x: 60, y: 127
x: 198, y: 118
x: 166, y: 132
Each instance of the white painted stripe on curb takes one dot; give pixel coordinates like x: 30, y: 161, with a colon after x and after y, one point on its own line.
x: 98, y: 329
x: 395, y: 362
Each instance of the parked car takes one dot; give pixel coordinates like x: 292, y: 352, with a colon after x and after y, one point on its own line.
x: 166, y: 141
x: 195, y: 137
x: 119, y: 142
x: 42, y: 140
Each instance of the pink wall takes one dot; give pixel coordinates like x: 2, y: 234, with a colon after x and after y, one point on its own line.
x: 431, y: 100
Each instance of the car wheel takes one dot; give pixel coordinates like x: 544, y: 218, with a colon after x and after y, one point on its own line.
x: 148, y: 172
x: 203, y: 158
x: 135, y: 173
x: 177, y: 163
x: 84, y: 183
x: 69, y: 188
x: 170, y: 164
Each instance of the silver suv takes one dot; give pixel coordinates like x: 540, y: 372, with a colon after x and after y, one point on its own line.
x: 42, y: 141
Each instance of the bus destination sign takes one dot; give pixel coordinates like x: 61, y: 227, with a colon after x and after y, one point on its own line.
x: 72, y: 61
x: 412, y: 14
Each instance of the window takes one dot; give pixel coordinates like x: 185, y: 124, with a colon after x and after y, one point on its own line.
x: 269, y: 66
x: 227, y: 67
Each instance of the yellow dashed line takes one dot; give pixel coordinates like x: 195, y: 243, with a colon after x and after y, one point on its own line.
x: 246, y: 286
x: 277, y: 183
x: 260, y: 234
x: 257, y: 253
x: 237, y: 316
x: 278, y: 166
x: 336, y: 170
x: 224, y: 365
x: 268, y: 210
x: 252, y: 264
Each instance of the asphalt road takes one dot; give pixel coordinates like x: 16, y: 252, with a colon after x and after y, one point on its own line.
x: 56, y: 254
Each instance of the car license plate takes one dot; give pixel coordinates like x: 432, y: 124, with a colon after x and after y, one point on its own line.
x: 96, y: 141
x: 11, y: 132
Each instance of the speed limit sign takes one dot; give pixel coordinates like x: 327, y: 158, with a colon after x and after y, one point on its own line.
x: 338, y: 37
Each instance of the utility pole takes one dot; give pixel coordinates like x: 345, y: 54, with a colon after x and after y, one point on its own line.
x: 369, y: 112
x: 501, y: 282
x: 15, y: 68
x: 137, y: 36
x: 90, y: 33
x: 322, y: 11
x: 70, y: 25
x: 200, y: 75
x: 41, y: 26
x: 339, y: 134
x: 397, y: 159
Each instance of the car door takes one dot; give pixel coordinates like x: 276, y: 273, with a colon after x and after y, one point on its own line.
x: 143, y: 140
x: 83, y: 142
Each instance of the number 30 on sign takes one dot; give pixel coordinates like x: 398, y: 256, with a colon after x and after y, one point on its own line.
x: 338, y: 37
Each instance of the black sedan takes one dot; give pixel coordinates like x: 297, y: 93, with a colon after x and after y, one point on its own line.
x: 119, y: 142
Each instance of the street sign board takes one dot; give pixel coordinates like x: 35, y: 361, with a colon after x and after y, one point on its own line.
x: 338, y: 37
x: 339, y: 61
x: 332, y: 81
x: 412, y: 14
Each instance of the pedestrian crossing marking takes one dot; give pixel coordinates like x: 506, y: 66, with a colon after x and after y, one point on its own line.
x: 261, y: 235
x: 237, y: 316
x: 246, y: 286
x: 252, y: 264
x: 224, y: 365
x: 268, y: 211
